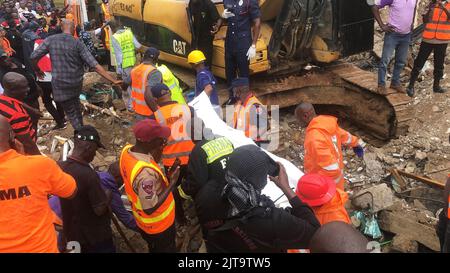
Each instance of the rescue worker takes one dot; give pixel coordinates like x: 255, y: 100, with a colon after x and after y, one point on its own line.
x: 321, y: 194
x: 142, y: 78
x: 208, y: 159
x: 250, y: 115
x: 124, y: 46
x: 338, y: 237
x: 147, y: 187
x: 323, y: 144
x: 168, y: 78
x: 5, y: 44
x: 435, y: 38
x: 240, y: 42
x: 205, y: 81
x: 179, y: 145
x: 105, y: 11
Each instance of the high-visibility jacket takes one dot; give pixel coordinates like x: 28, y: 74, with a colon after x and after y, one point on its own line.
x: 125, y: 41
x: 172, y: 82
x: 139, y: 76
x: 105, y: 11
x: 175, y: 115
x: 241, y: 117
x: 6, y: 46
x: 439, y: 26
x: 323, y: 153
x: 164, y: 216
x: 334, y: 210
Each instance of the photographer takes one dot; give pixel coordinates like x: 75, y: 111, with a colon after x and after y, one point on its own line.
x: 435, y: 39
x: 244, y: 220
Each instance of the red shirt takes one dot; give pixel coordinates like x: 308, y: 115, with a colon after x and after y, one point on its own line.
x: 17, y: 116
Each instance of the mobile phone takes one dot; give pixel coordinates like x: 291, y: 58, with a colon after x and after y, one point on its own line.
x: 274, y: 168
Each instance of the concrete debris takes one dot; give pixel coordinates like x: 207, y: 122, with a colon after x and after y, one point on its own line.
x: 404, y: 244
x: 383, y: 197
x: 420, y: 155
x: 374, y: 169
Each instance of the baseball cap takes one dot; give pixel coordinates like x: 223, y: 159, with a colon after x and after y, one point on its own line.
x: 240, y: 82
x: 151, y: 53
x: 315, y: 189
x: 88, y: 133
x: 148, y: 129
x: 160, y: 90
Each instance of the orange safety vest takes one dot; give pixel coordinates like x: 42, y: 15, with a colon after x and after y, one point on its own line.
x: 334, y: 210
x: 439, y: 26
x: 6, y: 46
x: 179, y: 145
x: 107, y: 38
x: 164, y: 216
x: 139, y: 76
x: 241, y: 117
x: 323, y: 152
x: 106, y: 13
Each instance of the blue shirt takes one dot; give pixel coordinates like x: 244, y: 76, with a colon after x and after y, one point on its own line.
x: 239, y: 30
x: 205, y: 77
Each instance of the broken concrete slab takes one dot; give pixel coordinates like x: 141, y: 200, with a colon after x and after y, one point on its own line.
x: 403, y: 224
x: 374, y: 169
x: 383, y: 197
x: 404, y: 244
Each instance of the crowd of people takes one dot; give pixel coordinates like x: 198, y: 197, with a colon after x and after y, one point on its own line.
x: 174, y: 157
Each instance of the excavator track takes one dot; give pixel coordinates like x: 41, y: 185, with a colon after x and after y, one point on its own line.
x: 346, y: 91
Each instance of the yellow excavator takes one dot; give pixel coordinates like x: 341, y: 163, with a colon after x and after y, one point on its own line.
x: 294, y: 33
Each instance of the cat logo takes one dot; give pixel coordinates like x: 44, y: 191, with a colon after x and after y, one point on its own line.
x: 179, y: 47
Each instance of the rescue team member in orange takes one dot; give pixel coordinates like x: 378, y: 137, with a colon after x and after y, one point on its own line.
x: 436, y: 37
x: 323, y: 144
x: 179, y: 145
x: 142, y: 78
x: 14, y: 110
x: 250, y: 115
x: 321, y: 194
x: 26, y: 220
x: 147, y: 188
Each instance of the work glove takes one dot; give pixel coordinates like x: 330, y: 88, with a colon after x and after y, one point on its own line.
x: 359, y: 150
x: 227, y: 14
x: 251, y: 53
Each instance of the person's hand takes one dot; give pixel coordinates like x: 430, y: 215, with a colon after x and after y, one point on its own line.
x: 359, y: 151
x: 251, y: 53
x: 387, y: 28
x: 215, y: 29
x: 227, y: 14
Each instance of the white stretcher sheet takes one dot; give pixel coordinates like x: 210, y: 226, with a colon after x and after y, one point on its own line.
x: 205, y: 111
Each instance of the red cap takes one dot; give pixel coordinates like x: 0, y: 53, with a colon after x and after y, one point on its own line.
x: 315, y: 189
x: 148, y: 129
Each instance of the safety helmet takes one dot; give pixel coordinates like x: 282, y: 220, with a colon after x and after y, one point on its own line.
x: 196, y: 57
x: 315, y: 189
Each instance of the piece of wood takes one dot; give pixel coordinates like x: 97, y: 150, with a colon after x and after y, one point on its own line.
x: 101, y: 110
x: 401, y: 182
x: 119, y: 229
x: 422, y: 179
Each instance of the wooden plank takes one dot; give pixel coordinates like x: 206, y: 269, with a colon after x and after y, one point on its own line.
x: 422, y: 179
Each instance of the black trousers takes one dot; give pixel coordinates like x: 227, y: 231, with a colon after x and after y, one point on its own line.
x: 206, y: 46
x: 236, y: 65
x: 163, y: 242
x: 47, y: 97
x: 72, y: 108
x: 439, y: 51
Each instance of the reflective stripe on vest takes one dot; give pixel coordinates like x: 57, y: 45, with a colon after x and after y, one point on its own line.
x: 125, y: 41
x: 172, y: 82
x: 448, y: 210
x: 179, y: 145
x: 108, y: 39
x: 164, y: 216
x: 439, y: 26
x: 241, y: 118
x: 139, y: 76
x: 106, y: 13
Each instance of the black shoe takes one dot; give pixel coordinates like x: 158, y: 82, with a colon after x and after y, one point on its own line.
x: 410, y: 91
x: 60, y: 126
x: 438, y: 89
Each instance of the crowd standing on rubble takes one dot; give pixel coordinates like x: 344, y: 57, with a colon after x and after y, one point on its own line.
x: 45, y: 51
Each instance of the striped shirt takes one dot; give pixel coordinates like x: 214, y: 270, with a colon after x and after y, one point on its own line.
x: 17, y: 116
